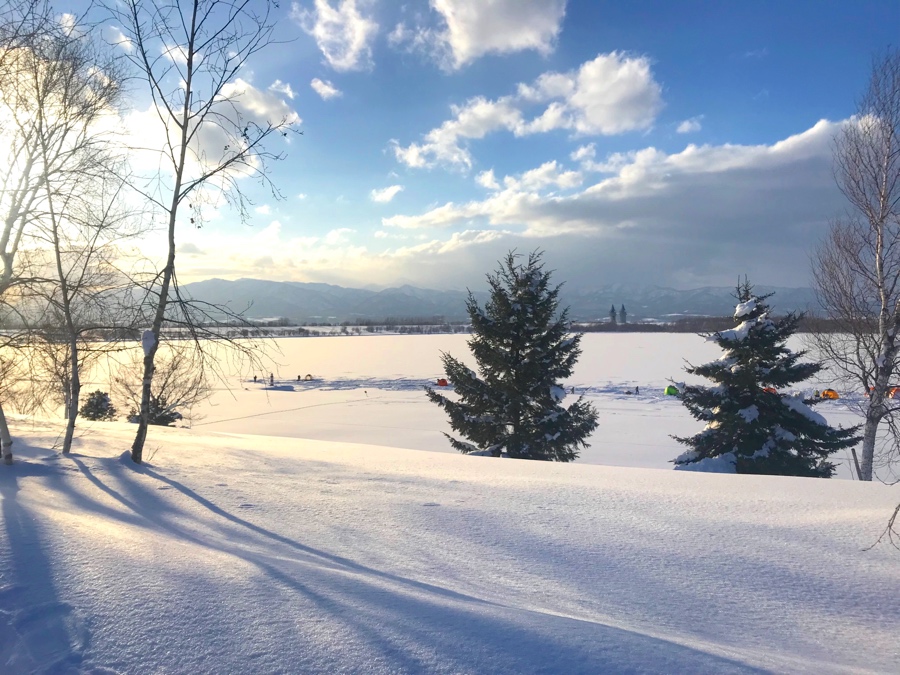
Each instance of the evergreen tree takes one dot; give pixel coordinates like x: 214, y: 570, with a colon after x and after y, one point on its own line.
x: 513, y: 403
x: 98, y: 407
x: 622, y: 315
x: 750, y: 426
x: 612, y: 315
x: 160, y: 413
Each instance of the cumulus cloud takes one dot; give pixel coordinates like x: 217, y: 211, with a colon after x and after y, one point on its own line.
x: 688, y: 217
x: 175, y: 53
x: 384, y: 195
x: 700, y: 216
x: 611, y: 94
x: 488, y: 180
x: 325, y: 89
x: 114, y: 36
x: 691, y: 125
x: 240, y: 103
x: 469, y: 30
x: 343, y: 33
x: 282, y: 88
x: 263, y: 210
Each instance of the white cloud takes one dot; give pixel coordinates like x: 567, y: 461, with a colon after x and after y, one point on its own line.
x: 385, y: 195
x: 584, y: 152
x: 240, y: 103
x: 488, y: 180
x: 69, y: 24
x: 691, y: 125
x: 693, y: 216
x: 338, y: 237
x: 477, y: 118
x: 114, y: 36
x: 302, y: 196
x: 263, y: 210
x: 282, y: 88
x: 611, y: 94
x: 547, y: 175
x: 343, y: 33
x: 469, y: 30
x: 689, y: 218
x: 176, y: 53
x: 325, y: 89
x: 257, y: 104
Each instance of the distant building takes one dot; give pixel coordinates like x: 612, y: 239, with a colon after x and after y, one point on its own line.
x: 612, y: 315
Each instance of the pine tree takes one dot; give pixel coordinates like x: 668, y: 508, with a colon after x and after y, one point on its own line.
x: 160, y: 413
x: 751, y: 427
x: 622, y: 315
x: 98, y: 407
x: 612, y: 315
x: 513, y: 403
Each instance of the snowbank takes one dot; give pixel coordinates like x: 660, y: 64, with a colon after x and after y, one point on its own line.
x: 242, y: 554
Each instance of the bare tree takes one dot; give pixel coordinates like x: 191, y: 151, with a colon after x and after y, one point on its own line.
x: 189, y: 53
x: 856, y: 270
x: 52, y: 95
x: 179, y: 383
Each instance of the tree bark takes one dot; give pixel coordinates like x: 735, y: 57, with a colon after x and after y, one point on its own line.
x: 5, y: 439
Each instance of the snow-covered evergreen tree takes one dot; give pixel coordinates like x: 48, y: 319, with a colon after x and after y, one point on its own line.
x: 751, y: 427
x: 512, y: 405
x: 98, y: 407
x: 161, y: 413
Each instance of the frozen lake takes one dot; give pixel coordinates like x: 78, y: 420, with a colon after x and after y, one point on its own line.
x: 368, y: 390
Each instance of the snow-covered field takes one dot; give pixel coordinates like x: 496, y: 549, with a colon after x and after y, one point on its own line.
x: 368, y: 389
x: 334, y: 532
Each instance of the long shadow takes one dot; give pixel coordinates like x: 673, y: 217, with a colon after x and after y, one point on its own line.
x: 38, y: 632
x: 329, y: 557
x: 443, y: 626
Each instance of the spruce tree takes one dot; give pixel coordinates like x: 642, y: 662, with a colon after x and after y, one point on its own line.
x: 98, y: 407
x: 512, y: 405
x: 751, y: 426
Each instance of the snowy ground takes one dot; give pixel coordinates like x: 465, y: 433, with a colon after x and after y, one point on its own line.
x: 235, y: 553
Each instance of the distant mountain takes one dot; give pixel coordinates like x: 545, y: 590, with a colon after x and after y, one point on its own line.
x: 307, y: 302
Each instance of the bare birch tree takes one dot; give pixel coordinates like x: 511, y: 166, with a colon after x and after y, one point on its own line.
x: 189, y: 52
x: 856, y: 269
x: 53, y: 92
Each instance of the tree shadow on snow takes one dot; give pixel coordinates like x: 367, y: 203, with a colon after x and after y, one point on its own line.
x: 38, y: 632
x: 389, y: 622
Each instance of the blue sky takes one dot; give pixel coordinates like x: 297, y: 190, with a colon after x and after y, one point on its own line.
x: 670, y: 143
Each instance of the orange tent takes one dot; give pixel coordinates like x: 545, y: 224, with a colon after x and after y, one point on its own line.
x: 442, y: 382
x: 830, y: 393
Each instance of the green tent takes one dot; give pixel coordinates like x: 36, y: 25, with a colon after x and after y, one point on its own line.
x: 671, y: 391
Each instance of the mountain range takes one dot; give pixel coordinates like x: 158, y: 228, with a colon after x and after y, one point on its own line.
x: 316, y: 302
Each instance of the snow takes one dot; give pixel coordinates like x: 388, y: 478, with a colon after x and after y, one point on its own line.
x: 233, y: 552
x: 745, y: 308
x: 796, y: 404
x: 148, y: 341
x: 724, y: 463
x: 749, y: 414
x: 737, y: 334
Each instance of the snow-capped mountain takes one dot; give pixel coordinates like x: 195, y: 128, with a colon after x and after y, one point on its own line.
x: 306, y: 302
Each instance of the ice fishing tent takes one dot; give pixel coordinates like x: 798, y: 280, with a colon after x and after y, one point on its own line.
x: 671, y: 391
x: 830, y: 393
x: 442, y: 382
